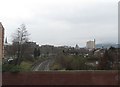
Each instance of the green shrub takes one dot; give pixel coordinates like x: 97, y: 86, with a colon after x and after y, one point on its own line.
x: 15, y: 69
x: 6, y: 67
x: 11, y: 68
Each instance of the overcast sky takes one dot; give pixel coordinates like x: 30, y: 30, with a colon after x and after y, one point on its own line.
x: 62, y: 22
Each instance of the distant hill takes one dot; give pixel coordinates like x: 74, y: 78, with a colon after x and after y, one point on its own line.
x: 107, y: 45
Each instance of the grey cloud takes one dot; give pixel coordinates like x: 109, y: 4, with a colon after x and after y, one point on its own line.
x: 70, y: 24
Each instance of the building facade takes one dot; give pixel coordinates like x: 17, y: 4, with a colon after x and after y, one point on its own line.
x: 90, y: 44
x: 1, y: 41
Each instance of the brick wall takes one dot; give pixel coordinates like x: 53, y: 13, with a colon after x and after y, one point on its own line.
x: 1, y: 41
x: 62, y: 78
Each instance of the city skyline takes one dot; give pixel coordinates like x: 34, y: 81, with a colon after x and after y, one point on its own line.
x: 62, y: 22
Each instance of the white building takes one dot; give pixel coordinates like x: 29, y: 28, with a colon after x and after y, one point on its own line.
x: 90, y: 44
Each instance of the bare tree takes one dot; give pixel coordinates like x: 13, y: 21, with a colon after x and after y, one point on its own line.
x: 19, y: 39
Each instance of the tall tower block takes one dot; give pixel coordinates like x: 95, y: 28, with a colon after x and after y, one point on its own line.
x: 91, y: 45
x: 1, y: 42
x: 94, y: 44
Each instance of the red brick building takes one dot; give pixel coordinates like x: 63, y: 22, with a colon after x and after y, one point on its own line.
x: 1, y: 41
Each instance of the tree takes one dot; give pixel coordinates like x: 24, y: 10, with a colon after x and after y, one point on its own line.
x: 36, y: 52
x: 19, y: 39
x: 104, y: 63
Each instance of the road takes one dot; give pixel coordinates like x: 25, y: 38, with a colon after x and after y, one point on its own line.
x: 43, y: 66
